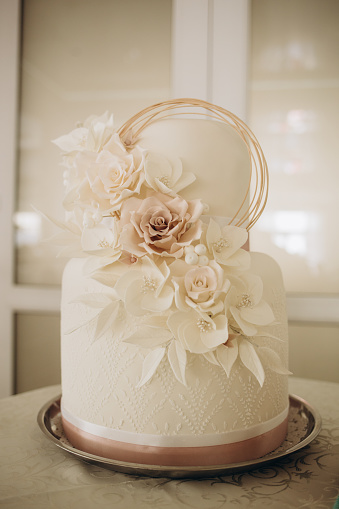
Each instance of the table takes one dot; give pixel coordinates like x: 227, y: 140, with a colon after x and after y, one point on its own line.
x: 34, y: 473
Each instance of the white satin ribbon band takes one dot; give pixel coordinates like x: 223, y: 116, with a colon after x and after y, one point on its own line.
x: 174, y: 440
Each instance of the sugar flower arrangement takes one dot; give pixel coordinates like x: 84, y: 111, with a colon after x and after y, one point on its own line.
x: 189, y: 281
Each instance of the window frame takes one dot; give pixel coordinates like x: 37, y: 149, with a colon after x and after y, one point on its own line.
x: 204, y: 33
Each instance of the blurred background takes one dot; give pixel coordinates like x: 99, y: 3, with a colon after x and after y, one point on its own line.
x: 274, y: 63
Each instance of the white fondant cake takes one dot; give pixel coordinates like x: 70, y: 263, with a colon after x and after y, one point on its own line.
x: 174, y: 337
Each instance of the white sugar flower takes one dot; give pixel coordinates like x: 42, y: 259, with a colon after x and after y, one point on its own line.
x: 145, y: 288
x: 198, y: 333
x: 225, y: 243
x: 92, y: 135
x: 201, y: 287
x: 246, y: 305
x: 101, y: 171
x: 165, y: 175
x: 100, y: 240
x: 101, y: 244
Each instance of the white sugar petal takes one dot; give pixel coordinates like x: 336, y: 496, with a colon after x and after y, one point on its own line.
x: 241, y: 259
x: 151, y: 302
x: 93, y: 239
x: 176, y: 170
x: 156, y: 167
x: 133, y: 299
x: 255, y: 287
x: 213, y: 234
x: 246, y: 327
x: 261, y: 314
x: 72, y: 141
x: 192, y: 338
x: 127, y: 280
x: 185, y: 180
x: 236, y: 236
x: 214, y: 338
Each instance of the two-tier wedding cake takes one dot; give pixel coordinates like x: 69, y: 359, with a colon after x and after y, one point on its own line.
x: 174, y: 334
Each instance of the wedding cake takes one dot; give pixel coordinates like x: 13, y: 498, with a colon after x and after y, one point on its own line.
x: 174, y: 334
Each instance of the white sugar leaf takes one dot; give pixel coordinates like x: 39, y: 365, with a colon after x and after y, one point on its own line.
x: 155, y: 321
x: 149, y: 337
x: 150, y: 365
x: 177, y: 358
x: 272, y: 360
x: 105, y: 319
x: 77, y: 327
x: 227, y: 355
x: 250, y: 359
x: 265, y: 334
x: 105, y: 279
x: 63, y: 239
x: 94, y: 300
x: 210, y: 357
x: 95, y: 263
x: 68, y: 226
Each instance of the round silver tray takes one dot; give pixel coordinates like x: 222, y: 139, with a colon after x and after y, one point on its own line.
x: 304, y: 424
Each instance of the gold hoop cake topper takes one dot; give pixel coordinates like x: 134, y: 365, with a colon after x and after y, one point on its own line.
x: 258, y: 181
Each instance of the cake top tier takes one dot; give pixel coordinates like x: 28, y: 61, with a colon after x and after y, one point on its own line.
x: 214, y: 153
x: 215, y: 160
x: 216, y: 146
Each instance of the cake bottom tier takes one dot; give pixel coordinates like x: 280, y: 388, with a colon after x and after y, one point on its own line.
x: 186, y: 450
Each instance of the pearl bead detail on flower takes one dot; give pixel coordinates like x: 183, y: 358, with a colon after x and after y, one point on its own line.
x: 191, y: 258
x: 203, y: 260
x: 97, y: 216
x: 203, y: 326
x: 149, y: 285
x: 165, y: 180
x: 222, y: 242
x: 244, y: 301
x: 88, y: 220
x: 200, y: 249
x: 189, y: 249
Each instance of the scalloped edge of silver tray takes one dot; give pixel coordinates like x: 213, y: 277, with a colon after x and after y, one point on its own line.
x: 304, y: 424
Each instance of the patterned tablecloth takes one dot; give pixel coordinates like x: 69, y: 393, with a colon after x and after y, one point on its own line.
x: 34, y: 473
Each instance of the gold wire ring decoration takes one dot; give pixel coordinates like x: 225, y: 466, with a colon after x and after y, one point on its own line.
x: 258, y: 182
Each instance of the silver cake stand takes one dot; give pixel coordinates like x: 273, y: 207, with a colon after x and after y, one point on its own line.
x: 304, y: 424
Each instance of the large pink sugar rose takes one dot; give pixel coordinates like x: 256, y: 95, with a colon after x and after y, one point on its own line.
x: 159, y: 225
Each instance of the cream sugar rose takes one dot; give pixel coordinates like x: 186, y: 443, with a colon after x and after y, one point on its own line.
x: 174, y: 335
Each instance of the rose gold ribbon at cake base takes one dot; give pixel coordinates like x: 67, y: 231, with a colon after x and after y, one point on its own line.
x: 236, y: 452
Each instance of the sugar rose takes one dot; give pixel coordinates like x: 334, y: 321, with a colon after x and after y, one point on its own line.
x: 200, y: 283
x: 159, y: 224
x: 111, y: 176
x: 201, y: 288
